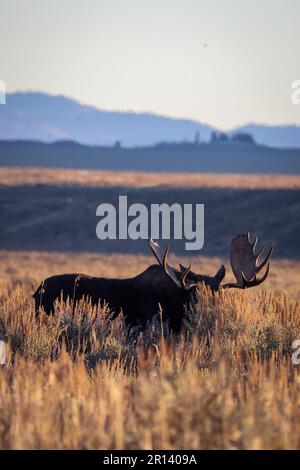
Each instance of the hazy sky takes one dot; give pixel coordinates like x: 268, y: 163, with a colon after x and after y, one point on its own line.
x: 150, y: 55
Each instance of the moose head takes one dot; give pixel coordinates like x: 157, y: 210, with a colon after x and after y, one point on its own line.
x: 243, y: 259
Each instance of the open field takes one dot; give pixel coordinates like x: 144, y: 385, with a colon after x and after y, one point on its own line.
x: 76, y: 382
x: 30, y: 267
x: 219, y: 157
x: 227, y: 383
x: 42, y: 210
x: 97, y: 178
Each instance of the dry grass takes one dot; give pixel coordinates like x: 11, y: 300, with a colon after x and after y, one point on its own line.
x: 78, y: 382
x: 227, y: 382
x: 96, y: 178
x: 30, y: 267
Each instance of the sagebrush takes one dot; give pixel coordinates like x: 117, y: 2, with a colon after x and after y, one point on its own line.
x: 83, y: 381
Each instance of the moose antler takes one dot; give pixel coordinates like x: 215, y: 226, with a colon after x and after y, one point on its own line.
x: 161, y: 257
x: 244, y: 262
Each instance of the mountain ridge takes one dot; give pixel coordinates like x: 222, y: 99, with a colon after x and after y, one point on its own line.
x: 29, y: 115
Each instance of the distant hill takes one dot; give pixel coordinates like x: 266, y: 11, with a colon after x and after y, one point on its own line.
x: 273, y: 136
x: 43, y: 117
x: 38, y: 116
x: 219, y: 157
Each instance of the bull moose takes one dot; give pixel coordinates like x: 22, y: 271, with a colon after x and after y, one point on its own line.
x: 160, y: 284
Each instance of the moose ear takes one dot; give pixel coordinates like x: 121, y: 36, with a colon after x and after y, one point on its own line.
x: 220, y: 274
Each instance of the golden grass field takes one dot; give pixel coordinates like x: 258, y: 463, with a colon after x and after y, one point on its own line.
x: 97, y: 178
x: 227, y: 382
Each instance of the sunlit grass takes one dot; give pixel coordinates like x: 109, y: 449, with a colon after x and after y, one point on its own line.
x: 82, y: 382
x: 100, y: 178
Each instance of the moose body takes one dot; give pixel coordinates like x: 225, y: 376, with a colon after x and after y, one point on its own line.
x: 139, y: 297
x: 159, y: 288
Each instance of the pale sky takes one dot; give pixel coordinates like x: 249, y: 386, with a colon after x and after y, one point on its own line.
x: 150, y: 55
